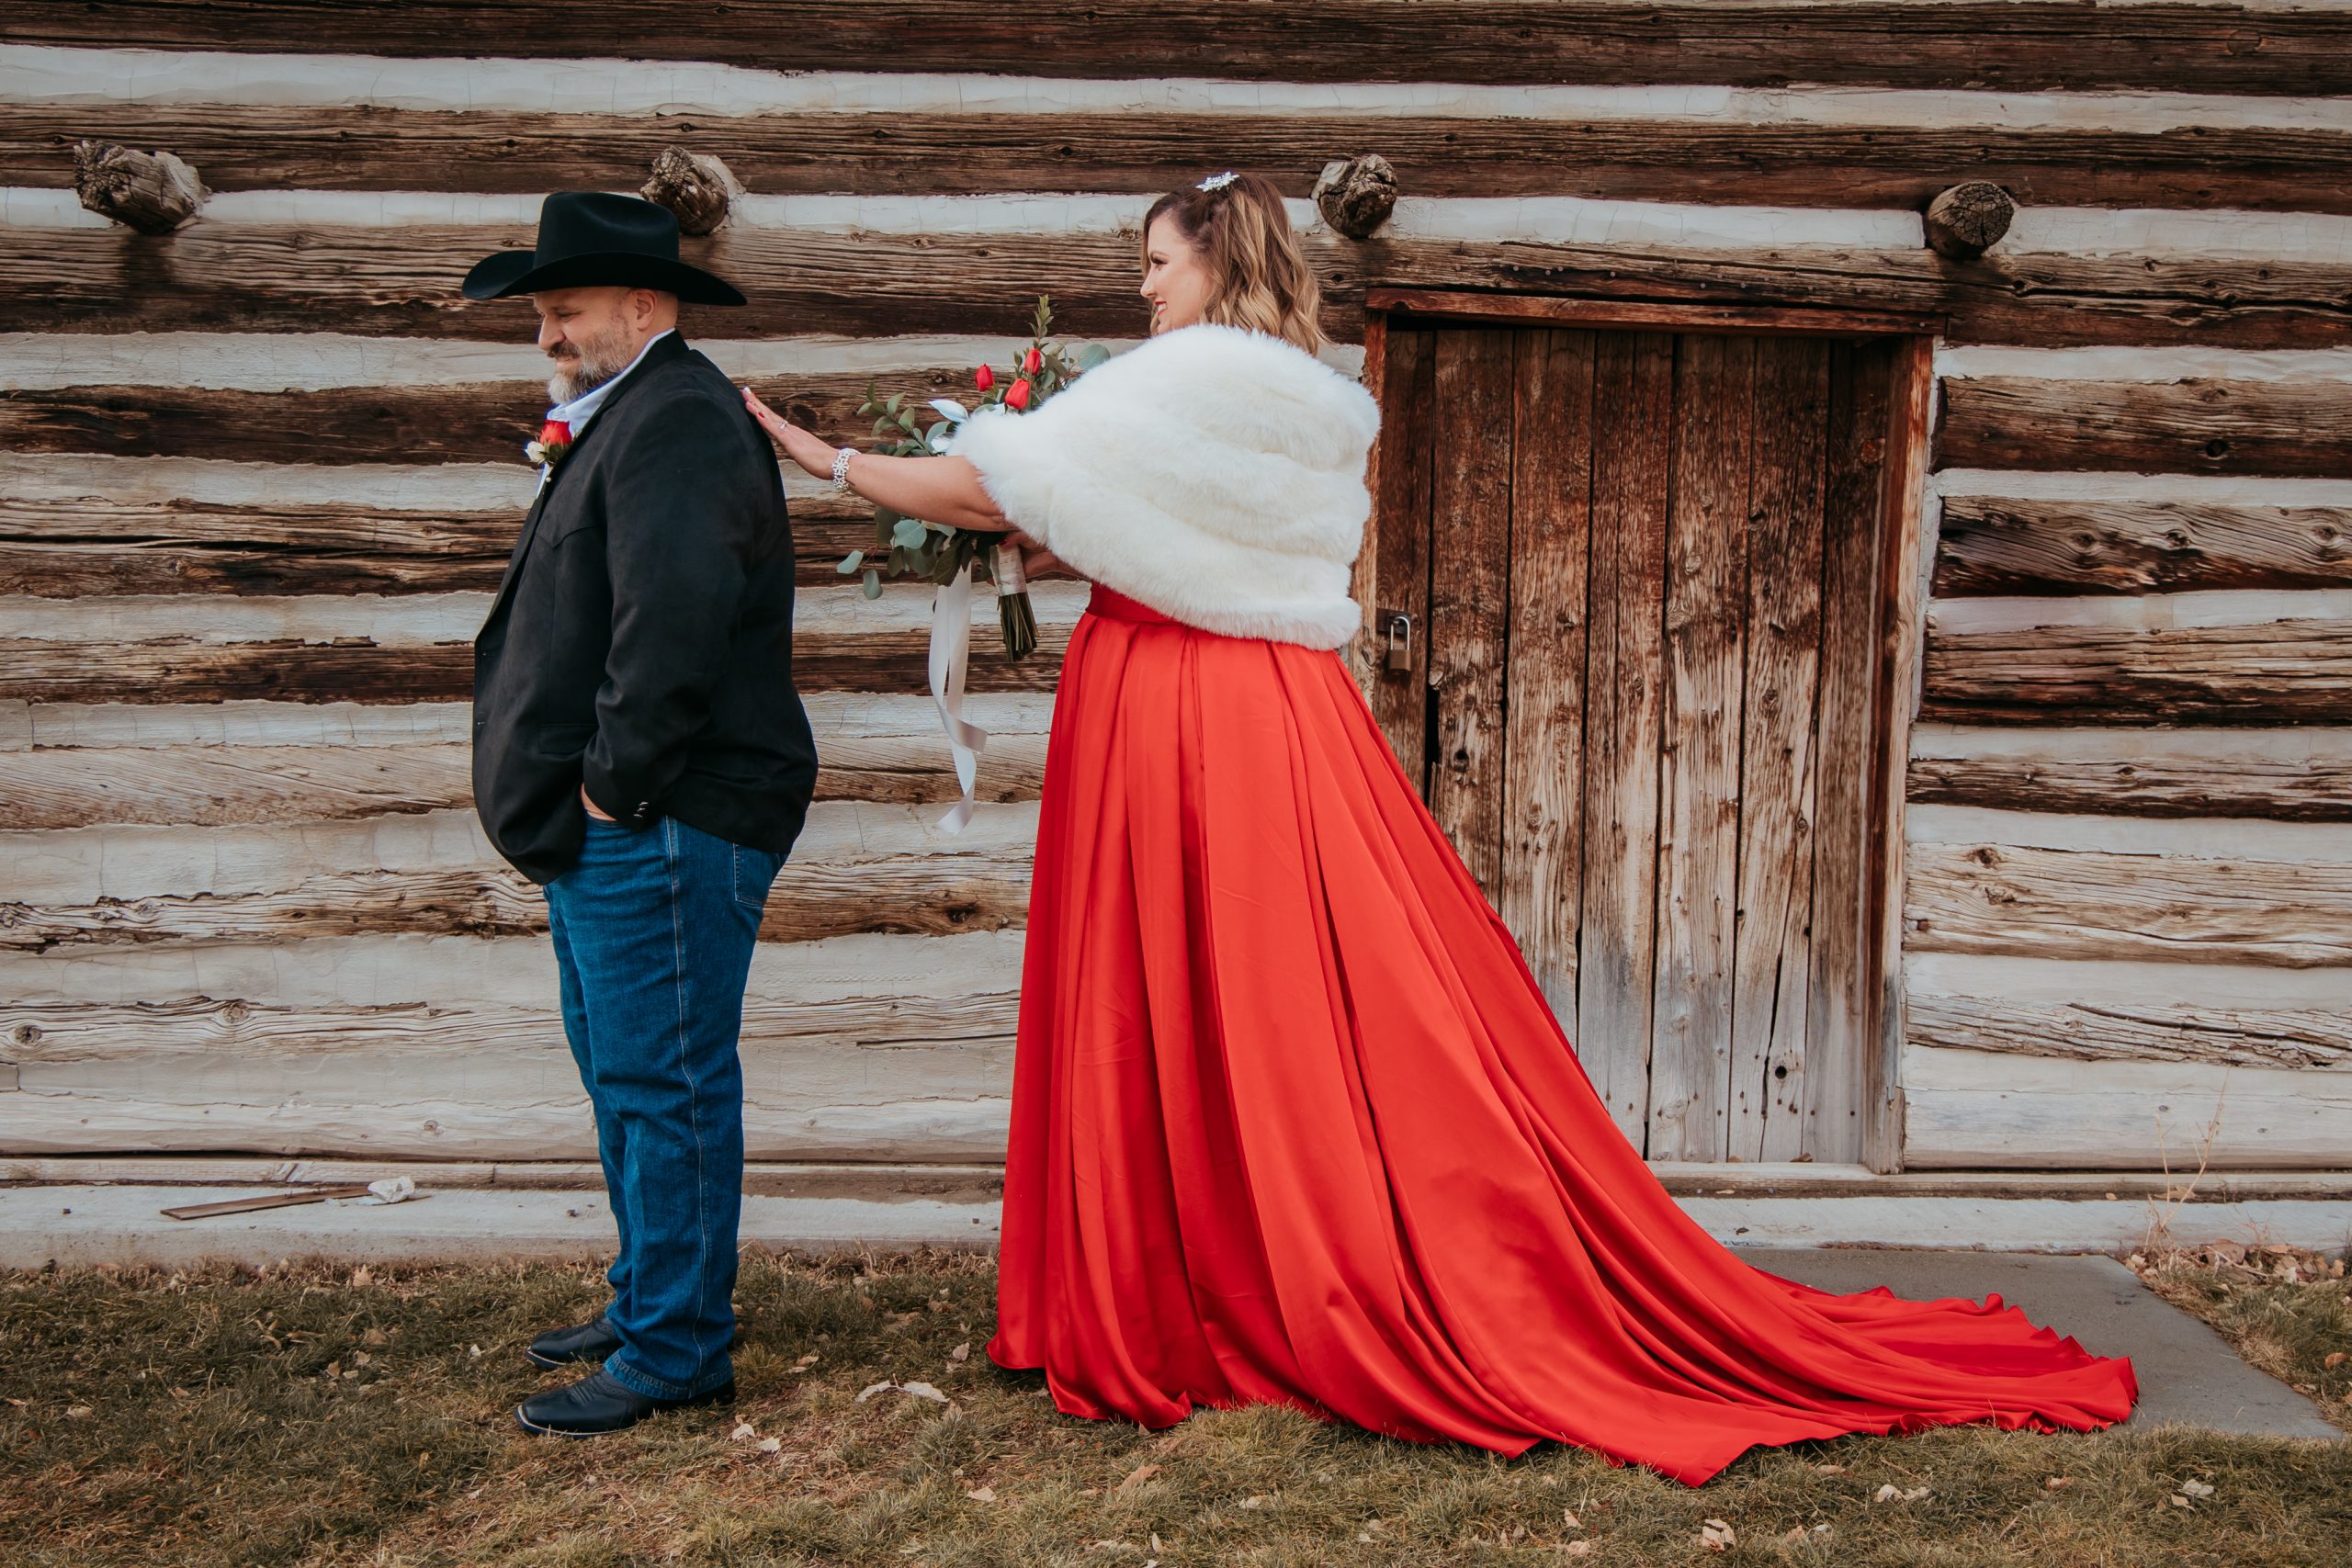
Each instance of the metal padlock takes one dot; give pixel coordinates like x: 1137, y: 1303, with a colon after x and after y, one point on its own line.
x: 1400, y: 641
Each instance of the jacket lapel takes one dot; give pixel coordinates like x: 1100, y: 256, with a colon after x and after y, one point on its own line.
x: 671, y: 347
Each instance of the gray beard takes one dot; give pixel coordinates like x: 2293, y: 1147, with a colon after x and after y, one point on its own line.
x: 594, y: 372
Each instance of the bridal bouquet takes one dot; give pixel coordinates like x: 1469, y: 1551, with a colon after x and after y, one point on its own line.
x: 908, y: 546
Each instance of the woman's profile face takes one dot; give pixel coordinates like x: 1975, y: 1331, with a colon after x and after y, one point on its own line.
x: 1175, y: 277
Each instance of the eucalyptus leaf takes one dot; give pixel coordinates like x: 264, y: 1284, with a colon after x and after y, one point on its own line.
x: 949, y: 408
x: 897, y: 400
x: 939, y: 436
x: 1092, y: 354
x: 909, y: 533
x: 873, y: 583
x: 851, y: 562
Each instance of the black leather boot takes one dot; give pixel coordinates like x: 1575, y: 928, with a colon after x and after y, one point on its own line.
x: 601, y: 1403
x: 581, y: 1342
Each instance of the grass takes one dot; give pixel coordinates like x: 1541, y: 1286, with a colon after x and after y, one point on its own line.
x: 315, y: 1416
x: 2288, y: 1311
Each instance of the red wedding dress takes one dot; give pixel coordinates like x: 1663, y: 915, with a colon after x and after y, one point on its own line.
x: 1293, y: 1124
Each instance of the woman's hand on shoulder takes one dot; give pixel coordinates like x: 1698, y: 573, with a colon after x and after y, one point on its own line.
x: 811, y: 452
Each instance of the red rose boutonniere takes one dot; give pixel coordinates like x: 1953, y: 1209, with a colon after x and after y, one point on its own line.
x: 555, y: 440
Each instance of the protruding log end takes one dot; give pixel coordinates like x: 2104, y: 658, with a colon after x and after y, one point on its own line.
x: 152, y: 192
x: 695, y: 186
x: 1356, y: 195
x: 1963, y: 221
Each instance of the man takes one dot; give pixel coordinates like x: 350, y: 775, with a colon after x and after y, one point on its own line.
x: 640, y: 749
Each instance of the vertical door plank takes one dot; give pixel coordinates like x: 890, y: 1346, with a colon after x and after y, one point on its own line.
x: 1469, y: 591
x: 1632, y: 409
x: 1706, y: 589
x: 1773, y: 961
x: 1837, y: 1054
x: 1399, y: 545
x: 1551, y: 534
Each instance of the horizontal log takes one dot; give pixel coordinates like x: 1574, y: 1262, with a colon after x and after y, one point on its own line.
x: 2159, y: 781
x: 270, y: 147
x: 2156, y: 1031
x: 856, y: 869
x: 903, y: 1078
x: 2091, y: 904
x: 1988, y: 545
x: 2277, y: 672
x: 1979, y: 1109
x: 363, y: 671
x: 70, y: 548
x: 2189, y: 427
x: 468, y: 423
x: 402, y: 281
x: 1975, y: 43
x: 215, y: 785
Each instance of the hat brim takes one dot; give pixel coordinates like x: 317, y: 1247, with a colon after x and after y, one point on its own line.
x: 510, y: 272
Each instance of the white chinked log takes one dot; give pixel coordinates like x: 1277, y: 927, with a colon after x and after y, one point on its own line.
x: 1971, y: 1108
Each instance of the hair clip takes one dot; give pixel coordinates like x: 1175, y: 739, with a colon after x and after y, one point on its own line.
x: 1217, y: 182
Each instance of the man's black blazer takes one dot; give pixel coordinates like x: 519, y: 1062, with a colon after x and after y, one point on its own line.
x: 642, y: 639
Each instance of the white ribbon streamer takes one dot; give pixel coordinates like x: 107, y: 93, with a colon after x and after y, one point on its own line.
x: 951, y: 656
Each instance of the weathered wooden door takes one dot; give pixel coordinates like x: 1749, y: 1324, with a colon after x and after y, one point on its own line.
x: 1639, y: 572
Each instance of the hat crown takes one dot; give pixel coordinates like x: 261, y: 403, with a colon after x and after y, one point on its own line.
x: 592, y: 222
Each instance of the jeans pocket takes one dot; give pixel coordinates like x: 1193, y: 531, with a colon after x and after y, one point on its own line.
x: 754, y: 875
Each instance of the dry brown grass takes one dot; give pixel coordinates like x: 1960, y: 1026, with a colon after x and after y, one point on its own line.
x: 211, y: 1434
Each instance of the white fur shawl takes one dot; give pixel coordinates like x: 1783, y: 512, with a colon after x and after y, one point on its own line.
x: 1211, y: 473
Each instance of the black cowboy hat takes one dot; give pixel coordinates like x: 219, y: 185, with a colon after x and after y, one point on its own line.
x: 591, y: 239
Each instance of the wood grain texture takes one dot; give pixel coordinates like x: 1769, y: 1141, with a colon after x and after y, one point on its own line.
x: 1773, y: 939
x: 1469, y: 593
x: 1699, y: 781
x: 2018, y: 47
x: 1987, y: 545
x: 214, y: 785
x: 404, y: 281
x: 2005, y: 1111
x: 2183, y: 428
x: 1542, y: 892
x: 1396, y: 541
x: 2275, y: 673
x: 2151, y: 1031
x: 2315, y: 789
x: 2093, y: 904
x: 88, y: 545
x: 926, y: 1077
x: 1838, y: 1053
x: 1633, y: 407
x: 357, y: 670
x: 265, y: 147
x: 486, y: 421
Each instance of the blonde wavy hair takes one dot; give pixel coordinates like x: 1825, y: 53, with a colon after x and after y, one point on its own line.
x: 1260, y: 279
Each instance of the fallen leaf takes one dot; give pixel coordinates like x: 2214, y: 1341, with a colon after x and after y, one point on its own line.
x: 375, y: 1339
x: 1829, y: 1470
x: 771, y: 1445
x: 473, y: 1352
x: 361, y: 1276
x: 1569, y: 1517
x: 76, y: 1412
x: 1716, y: 1535
x: 1886, y: 1494
x: 870, y: 1390
x: 962, y: 1352
x: 2178, y: 1501
x: 1155, y: 1542
x: 2332, y: 1359
x: 982, y: 1493
x: 2197, y: 1488
x: 1135, y: 1478
x: 743, y: 1429
x: 923, y: 1391
x: 1794, y: 1532
x: 1577, y: 1548
x: 2058, y: 1483
x: 1257, y: 1502
x: 805, y: 1363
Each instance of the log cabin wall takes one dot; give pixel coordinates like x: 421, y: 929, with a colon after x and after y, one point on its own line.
x: 258, y: 477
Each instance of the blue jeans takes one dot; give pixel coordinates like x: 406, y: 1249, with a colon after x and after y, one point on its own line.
x: 654, y: 935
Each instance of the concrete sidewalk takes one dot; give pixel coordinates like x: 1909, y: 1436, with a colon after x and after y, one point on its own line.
x: 2188, y: 1374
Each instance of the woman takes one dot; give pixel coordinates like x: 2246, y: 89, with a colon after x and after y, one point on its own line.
x: 1291, y: 1120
